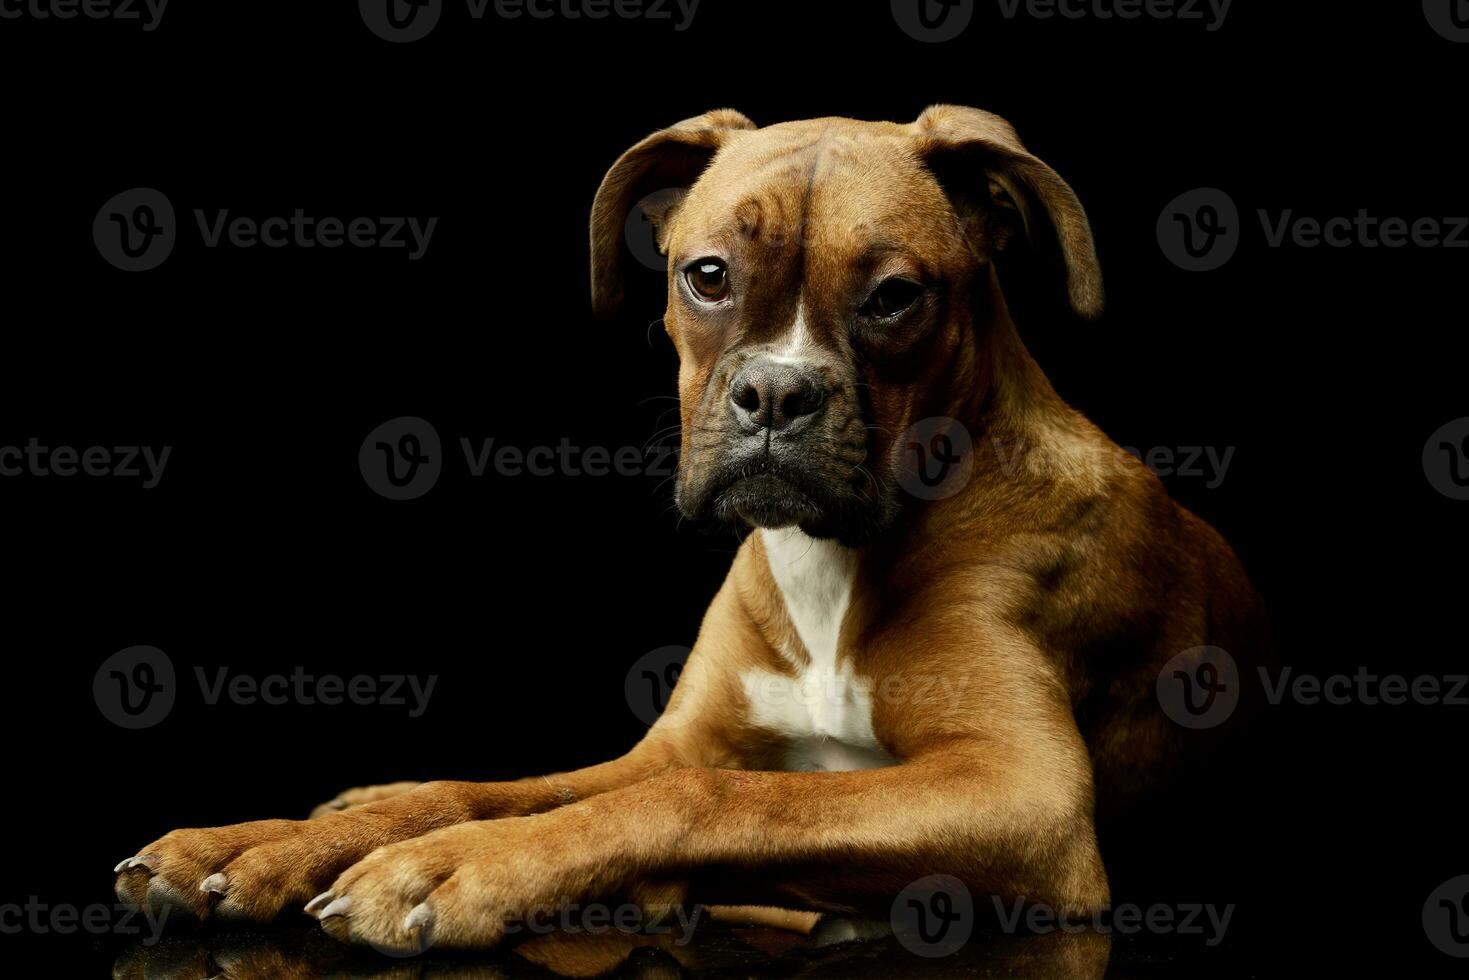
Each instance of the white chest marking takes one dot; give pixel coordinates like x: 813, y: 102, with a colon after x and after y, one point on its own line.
x: 826, y: 710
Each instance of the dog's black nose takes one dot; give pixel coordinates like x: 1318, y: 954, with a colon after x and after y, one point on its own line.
x: 775, y: 395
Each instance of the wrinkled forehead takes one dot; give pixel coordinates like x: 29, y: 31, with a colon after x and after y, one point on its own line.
x: 844, y: 194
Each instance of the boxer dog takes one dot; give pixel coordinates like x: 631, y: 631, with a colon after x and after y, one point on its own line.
x: 889, y: 684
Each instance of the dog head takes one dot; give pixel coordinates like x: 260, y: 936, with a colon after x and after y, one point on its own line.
x: 830, y: 283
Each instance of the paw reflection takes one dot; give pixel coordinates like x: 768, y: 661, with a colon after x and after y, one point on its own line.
x: 717, y: 949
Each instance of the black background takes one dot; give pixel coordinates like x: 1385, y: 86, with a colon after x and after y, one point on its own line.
x: 263, y: 549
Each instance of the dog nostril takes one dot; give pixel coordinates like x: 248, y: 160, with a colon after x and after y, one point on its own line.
x: 805, y: 399
x: 796, y: 404
x: 747, y: 397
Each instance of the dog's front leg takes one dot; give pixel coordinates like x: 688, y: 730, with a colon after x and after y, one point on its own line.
x: 362, y: 795
x: 252, y: 871
x: 1006, y: 823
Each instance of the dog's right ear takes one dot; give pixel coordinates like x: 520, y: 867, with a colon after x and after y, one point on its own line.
x: 957, y: 140
x: 669, y: 160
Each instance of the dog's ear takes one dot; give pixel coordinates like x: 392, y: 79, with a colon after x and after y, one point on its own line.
x: 973, y: 152
x: 667, y: 161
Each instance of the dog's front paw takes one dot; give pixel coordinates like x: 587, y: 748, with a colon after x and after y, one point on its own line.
x: 457, y: 888
x: 245, y: 872
x: 444, y: 889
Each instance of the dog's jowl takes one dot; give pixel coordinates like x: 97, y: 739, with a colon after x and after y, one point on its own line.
x: 889, y: 684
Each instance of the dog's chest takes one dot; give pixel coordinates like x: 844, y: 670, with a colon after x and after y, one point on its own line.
x: 825, y: 711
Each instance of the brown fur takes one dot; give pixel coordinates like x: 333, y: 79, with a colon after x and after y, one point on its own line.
x: 1050, y: 590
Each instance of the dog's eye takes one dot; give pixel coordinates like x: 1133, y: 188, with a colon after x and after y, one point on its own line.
x: 709, y: 279
x: 892, y: 298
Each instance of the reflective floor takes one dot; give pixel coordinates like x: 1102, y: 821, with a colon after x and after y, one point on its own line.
x: 715, y: 950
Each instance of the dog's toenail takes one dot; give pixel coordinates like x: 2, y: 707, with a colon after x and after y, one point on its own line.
x: 421, y: 915
x: 316, y: 904
x: 215, y: 884
x: 147, y: 861
x: 337, y: 906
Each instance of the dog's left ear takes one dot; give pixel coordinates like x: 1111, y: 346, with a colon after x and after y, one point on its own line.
x: 669, y: 160
x: 972, y: 152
